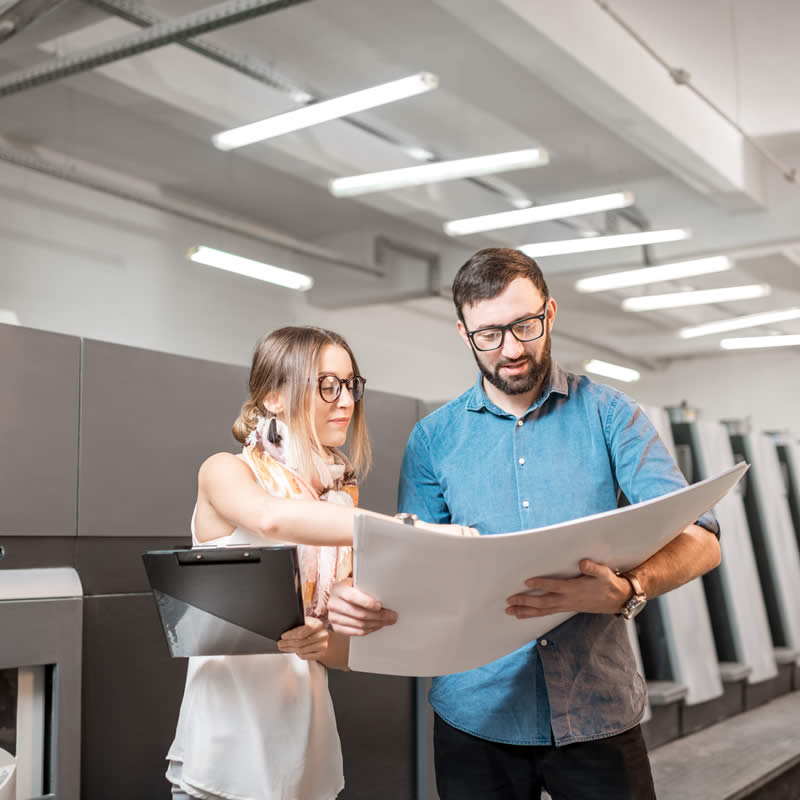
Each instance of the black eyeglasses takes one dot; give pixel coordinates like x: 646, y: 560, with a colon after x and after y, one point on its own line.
x: 330, y: 387
x: 527, y: 329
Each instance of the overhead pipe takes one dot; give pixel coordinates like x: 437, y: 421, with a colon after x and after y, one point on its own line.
x: 21, y: 14
x: 683, y: 78
x: 433, y: 279
x: 144, y: 16
x: 163, y: 33
x: 72, y: 173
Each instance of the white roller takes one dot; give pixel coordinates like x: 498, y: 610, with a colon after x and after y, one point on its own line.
x: 687, y: 623
x: 779, y: 538
x: 8, y: 776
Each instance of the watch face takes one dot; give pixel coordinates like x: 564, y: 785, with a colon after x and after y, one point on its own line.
x: 634, y: 606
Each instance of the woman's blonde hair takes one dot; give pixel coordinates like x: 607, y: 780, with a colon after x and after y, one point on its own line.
x: 286, y: 361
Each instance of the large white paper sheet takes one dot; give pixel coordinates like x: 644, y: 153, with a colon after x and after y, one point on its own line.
x: 449, y: 592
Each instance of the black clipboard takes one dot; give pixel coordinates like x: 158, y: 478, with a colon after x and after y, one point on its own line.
x: 225, y: 600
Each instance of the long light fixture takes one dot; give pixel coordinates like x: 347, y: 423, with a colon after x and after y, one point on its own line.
x: 438, y: 171
x: 750, y: 342
x: 610, y: 370
x: 526, y: 216
x: 662, y: 272
x: 250, y: 268
x: 325, y: 111
x: 735, y: 324
x: 699, y: 298
x: 591, y: 243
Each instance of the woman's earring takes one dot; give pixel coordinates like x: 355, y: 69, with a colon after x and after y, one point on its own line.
x: 272, y: 431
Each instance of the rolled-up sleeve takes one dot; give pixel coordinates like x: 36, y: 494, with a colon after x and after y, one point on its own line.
x: 643, y: 466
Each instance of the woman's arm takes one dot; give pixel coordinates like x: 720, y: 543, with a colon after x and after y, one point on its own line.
x: 338, y: 651
x: 228, y: 497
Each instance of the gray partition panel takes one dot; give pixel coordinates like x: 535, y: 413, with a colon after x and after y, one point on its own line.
x: 148, y: 421
x: 38, y: 431
x: 390, y: 418
x: 28, y: 552
x: 113, y: 564
x: 132, y: 693
x: 376, y: 721
x: 57, y: 624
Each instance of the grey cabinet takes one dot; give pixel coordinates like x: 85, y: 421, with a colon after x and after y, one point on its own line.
x: 148, y: 421
x: 39, y: 374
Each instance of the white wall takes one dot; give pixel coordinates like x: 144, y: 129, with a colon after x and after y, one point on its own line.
x: 762, y: 385
x: 76, y: 261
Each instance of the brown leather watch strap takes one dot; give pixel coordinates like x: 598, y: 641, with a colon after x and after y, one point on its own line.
x: 634, y: 582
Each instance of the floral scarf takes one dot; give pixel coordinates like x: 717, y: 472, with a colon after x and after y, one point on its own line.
x: 276, y: 470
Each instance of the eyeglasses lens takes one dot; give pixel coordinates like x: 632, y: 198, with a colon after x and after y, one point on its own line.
x: 330, y: 387
x: 524, y: 331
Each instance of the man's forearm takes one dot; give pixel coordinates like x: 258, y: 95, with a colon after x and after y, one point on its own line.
x: 692, y: 553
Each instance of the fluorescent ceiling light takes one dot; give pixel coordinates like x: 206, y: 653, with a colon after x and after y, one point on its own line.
x: 438, y: 171
x: 591, y: 243
x: 252, y: 269
x: 612, y: 370
x: 419, y: 153
x: 749, y: 342
x: 663, y: 272
x: 749, y: 321
x: 509, y: 219
x: 677, y: 299
x: 325, y: 111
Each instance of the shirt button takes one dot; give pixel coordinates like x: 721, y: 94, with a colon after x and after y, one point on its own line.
x: 521, y: 461
x: 525, y: 503
x: 543, y: 642
x: 519, y: 423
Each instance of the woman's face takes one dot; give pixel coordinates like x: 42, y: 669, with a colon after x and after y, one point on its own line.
x: 331, y: 420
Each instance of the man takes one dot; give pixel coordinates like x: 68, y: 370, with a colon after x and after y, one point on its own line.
x: 530, y: 445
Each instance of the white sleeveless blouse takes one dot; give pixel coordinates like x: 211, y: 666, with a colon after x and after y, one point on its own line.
x: 257, y: 727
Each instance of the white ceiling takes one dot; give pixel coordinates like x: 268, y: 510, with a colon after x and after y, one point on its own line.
x: 513, y: 73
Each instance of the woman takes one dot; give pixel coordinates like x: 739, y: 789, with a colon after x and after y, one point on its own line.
x: 262, y: 726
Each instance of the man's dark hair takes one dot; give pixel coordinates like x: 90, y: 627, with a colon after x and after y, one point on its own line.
x: 489, y: 271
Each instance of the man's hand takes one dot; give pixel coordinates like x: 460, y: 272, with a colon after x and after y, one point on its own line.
x: 354, y: 613
x: 597, y: 591
x: 309, y: 641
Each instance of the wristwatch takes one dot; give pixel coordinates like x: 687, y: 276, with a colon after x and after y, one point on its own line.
x: 638, y: 599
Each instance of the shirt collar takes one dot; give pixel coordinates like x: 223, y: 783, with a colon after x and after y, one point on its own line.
x: 556, y: 383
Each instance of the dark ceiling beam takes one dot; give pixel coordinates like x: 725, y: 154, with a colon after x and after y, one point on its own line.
x: 199, y: 22
x: 21, y: 14
x: 144, y: 16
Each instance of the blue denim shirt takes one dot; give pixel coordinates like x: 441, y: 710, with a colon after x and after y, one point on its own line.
x: 474, y: 464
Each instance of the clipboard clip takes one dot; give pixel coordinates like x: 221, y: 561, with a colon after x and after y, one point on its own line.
x: 196, y: 556
x: 407, y: 519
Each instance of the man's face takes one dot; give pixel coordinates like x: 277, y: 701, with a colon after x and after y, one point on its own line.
x: 515, y: 367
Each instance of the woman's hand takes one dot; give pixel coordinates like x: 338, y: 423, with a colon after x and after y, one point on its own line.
x: 309, y: 641
x: 452, y: 530
x: 353, y: 613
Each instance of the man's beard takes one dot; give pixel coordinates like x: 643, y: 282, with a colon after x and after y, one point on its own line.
x: 537, y: 371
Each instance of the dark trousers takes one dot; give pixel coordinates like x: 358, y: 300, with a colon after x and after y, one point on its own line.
x: 470, y: 768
